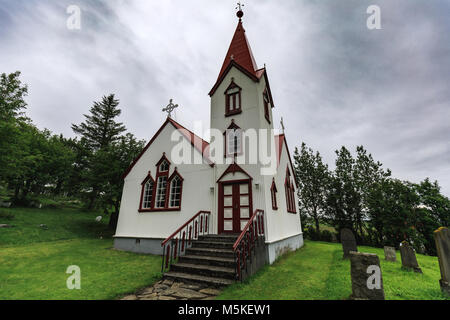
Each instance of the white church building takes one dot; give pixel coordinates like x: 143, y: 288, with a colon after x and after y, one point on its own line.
x: 160, y: 194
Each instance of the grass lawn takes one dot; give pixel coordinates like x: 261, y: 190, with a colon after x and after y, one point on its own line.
x: 33, y: 261
x: 62, y: 224
x: 318, y: 272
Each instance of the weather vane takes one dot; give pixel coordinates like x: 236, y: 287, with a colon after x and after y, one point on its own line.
x: 240, y: 13
x: 169, y: 108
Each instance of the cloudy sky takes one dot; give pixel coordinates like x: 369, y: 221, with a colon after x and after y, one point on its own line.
x: 334, y: 81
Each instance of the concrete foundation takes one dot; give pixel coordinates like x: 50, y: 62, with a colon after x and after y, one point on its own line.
x: 139, y: 245
x: 278, y: 248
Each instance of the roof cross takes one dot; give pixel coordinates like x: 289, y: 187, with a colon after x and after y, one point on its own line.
x: 169, y: 108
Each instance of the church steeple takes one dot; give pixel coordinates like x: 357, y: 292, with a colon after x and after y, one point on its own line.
x: 239, y: 51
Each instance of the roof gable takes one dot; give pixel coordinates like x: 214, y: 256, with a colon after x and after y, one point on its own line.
x: 198, y: 143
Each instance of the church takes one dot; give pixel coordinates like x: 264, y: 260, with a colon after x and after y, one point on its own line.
x: 225, y: 193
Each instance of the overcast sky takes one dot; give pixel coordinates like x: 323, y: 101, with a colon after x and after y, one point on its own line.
x: 334, y: 81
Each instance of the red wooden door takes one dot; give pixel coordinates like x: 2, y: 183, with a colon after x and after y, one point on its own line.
x: 235, y: 206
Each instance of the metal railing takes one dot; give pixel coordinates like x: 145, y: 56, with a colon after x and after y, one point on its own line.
x: 247, y: 241
x: 176, y: 244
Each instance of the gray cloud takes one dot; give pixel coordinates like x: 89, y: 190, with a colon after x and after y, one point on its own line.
x: 334, y: 81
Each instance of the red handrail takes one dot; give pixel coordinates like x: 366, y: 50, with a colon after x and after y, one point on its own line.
x: 184, y: 225
x: 247, y: 226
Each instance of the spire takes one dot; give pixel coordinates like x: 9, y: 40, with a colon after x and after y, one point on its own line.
x: 239, y: 50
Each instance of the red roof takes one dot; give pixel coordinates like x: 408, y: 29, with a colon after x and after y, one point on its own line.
x: 240, y: 55
x: 197, y: 142
x: 240, y: 52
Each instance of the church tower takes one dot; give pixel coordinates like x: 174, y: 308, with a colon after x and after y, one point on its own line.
x: 241, y: 93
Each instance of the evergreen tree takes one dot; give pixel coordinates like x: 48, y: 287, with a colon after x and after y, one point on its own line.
x: 99, y: 131
x: 100, y: 128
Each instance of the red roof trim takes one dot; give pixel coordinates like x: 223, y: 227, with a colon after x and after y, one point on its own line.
x: 230, y: 65
x: 232, y: 168
x: 203, y: 149
x: 282, y: 140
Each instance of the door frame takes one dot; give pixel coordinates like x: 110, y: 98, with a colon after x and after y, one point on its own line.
x: 220, y: 220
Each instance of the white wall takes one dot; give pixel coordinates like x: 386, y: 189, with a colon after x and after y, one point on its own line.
x: 281, y: 223
x: 196, y: 194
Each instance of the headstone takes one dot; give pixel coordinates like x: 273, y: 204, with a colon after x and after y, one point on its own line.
x: 389, y: 254
x: 98, y: 219
x: 408, y: 255
x: 348, y: 242
x: 442, y: 239
x: 367, y: 281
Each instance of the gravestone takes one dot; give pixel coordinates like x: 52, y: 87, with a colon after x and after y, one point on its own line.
x: 348, y: 242
x: 367, y: 281
x: 389, y: 254
x: 442, y: 239
x: 409, y: 259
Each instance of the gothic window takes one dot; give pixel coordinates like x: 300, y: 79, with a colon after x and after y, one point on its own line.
x: 233, y: 99
x: 233, y: 140
x: 290, y: 193
x: 176, y: 184
x: 273, y: 193
x: 146, y: 202
x: 162, y: 193
x: 266, y: 101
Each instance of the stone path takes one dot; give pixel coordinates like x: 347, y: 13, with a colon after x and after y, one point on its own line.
x: 170, y: 290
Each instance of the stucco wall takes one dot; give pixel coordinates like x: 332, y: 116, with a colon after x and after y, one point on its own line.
x: 196, y: 193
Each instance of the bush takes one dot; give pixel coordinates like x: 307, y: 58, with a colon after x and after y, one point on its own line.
x: 324, y: 235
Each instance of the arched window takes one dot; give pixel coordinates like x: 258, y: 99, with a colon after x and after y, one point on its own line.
x: 233, y: 99
x: 148, y: 195
x: 273, y: 193
x: 290, y: 193
x: 233, y: 140
x: 146, y: 202
x: 176, y: 185
x: 162, y: 193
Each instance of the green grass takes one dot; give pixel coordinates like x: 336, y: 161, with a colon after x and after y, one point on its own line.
x: 33, y: 261
x: 62, y: 224
x: 318, y: 272
x: 38, y: 271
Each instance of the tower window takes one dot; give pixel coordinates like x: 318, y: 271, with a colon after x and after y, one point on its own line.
x: 233, y: 140
x: 233, y: 99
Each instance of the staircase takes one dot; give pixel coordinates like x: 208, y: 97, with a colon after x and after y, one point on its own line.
x: 209, y: 261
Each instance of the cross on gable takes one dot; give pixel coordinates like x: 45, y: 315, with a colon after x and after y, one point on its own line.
x: 169, y: 108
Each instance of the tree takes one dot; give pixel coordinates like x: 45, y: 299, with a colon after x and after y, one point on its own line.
x: 12, y: 96
x: 111, y: 164
x: 99, y: 131
x: 100, y: 128
x: 313, y: 178
x: 393, y: 209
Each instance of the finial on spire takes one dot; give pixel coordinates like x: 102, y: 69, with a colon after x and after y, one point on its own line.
x: 282, y: 125
x: 240, y: 13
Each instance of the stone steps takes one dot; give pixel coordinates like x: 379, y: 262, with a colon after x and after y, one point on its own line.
x: 212, y: 244
x: 225, y: 253
x: 204, y: 270
x: 208, y: 260
x: 195, y: 278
